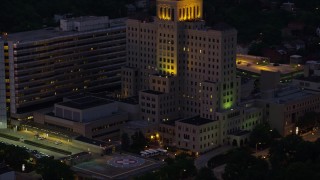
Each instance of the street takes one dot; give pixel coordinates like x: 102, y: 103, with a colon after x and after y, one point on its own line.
x: 202, y: 160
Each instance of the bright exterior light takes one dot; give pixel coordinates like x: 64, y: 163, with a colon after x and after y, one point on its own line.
x: 227, y: 105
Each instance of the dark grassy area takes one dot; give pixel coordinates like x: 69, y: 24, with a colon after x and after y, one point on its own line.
x: 47, y: 147
x: 9, y: 137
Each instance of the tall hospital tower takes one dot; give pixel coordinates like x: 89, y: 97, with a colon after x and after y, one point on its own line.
x: 184, y: 72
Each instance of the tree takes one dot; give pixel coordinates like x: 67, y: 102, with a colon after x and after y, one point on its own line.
x: 298, y: 171
x: 15, y: 157
x: 125, y: 141
x: 205, y: 174
x: 138, y: 141
x: 243, y: 166
x: 263, y: 134
x: 53, y: 169
x: 308, y: 121
x: 283, y: 152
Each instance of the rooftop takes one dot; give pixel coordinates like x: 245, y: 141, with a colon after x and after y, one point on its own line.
x: 198, y: 121
x: 87, y: 18
x: 255, y: 67
x: 170, y: 122
x: 286, y: 95
x: 85, y: 102
x: 45, y: 34
x: 107, y: 96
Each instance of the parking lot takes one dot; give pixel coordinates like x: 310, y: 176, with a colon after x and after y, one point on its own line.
x: 252, y: 66
x: 42, y: 139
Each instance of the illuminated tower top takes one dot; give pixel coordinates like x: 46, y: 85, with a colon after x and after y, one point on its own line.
x: 179, y: 10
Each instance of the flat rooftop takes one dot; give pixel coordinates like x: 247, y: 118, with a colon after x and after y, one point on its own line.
x: 198, y: 121
x: 170, y: 122
x: 290, y: 95
x: 47, y: 33
x: 153, y: 92
x: 87, y: 18
x: 252, y: 66
x: 107, y: 96
x: 85, y: 103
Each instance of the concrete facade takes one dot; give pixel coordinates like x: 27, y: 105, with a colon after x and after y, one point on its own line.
x: 311, y: 78
x: 184, y: 71
x: 43, y: 66
x: 3, y: 107
x: 89, y: 116
x: 285, y: 106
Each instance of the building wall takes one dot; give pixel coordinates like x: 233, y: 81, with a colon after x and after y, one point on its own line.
x: 308, y: 85
x: 141, y: 56
x: 84, y: 23
x: 238, y: 119
x: 199, y: 61
x: 3, y: 109
x: 103, y: 128
x: 269, y: 80
x: 85, y: 115
x: 197, y: 138
x: 43, y: 71
x: 283, y: 115
x: 167, y: 134
x: 185, y: 50
x: 156, y: 108
x: 133, y: 110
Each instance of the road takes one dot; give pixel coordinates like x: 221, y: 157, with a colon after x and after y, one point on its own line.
x: 218, y: 171
x: 311, y: 136
x: 203, y: 159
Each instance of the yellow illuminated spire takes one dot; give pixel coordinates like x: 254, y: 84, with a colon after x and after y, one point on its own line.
x: 182, y: 10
